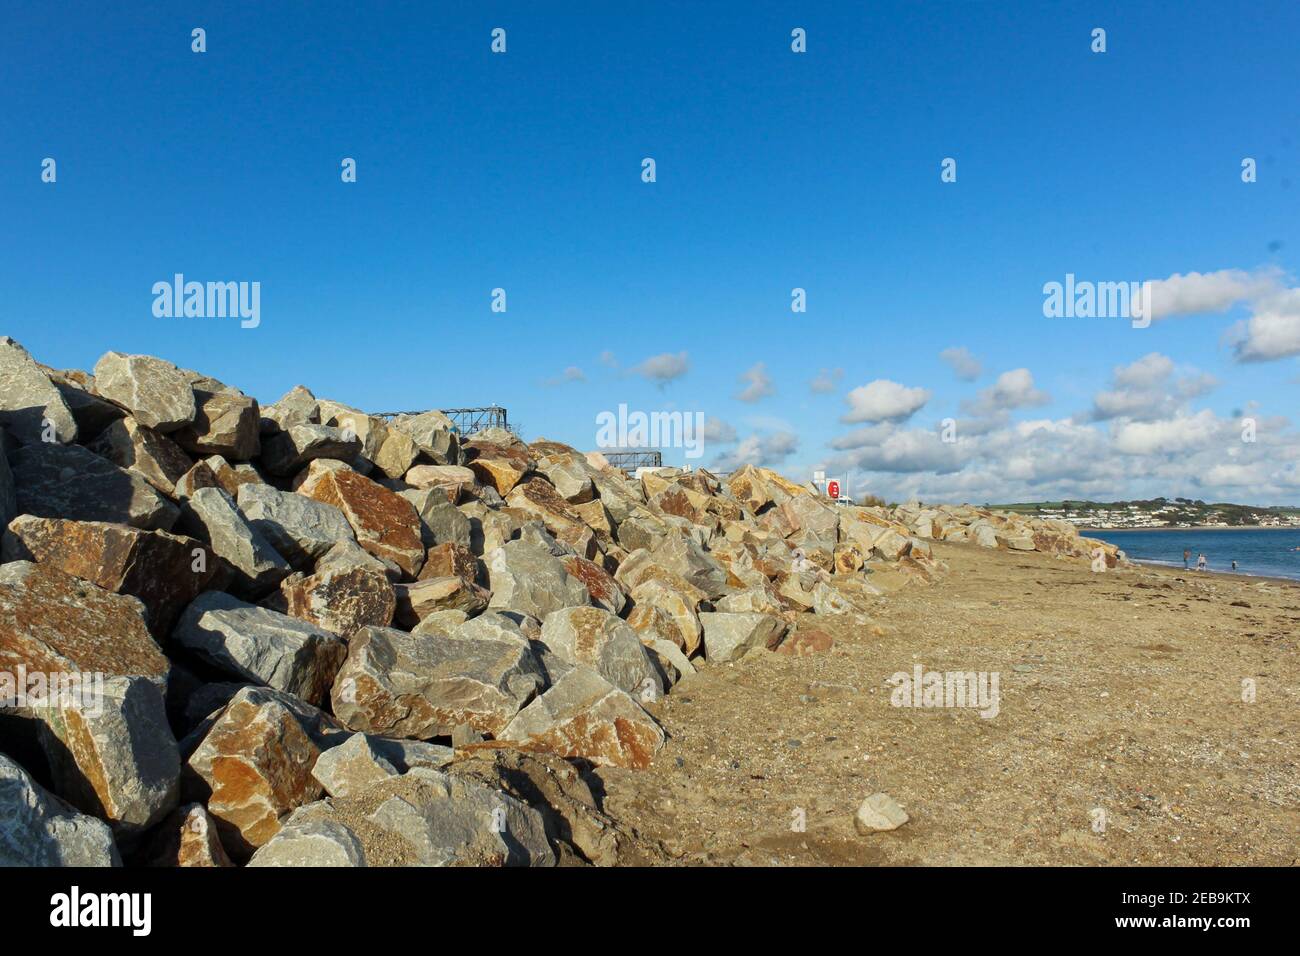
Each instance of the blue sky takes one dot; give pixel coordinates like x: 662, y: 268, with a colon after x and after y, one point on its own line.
x: 775, y: 170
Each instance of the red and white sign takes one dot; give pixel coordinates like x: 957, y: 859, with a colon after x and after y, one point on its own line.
x: 832, y: 489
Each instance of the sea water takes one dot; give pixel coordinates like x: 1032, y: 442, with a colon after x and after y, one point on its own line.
x: 1271, y: 552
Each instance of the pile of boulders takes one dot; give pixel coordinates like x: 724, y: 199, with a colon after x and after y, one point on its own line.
x: 1006, y: 530
x: 316, y: 636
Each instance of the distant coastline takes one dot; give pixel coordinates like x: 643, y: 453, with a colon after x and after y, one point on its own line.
x: 1194, y: 527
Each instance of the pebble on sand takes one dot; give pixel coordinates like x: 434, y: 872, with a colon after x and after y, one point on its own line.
x: 879, y: 812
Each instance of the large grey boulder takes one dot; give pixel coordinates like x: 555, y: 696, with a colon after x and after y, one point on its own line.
x: 352, y: 766
x: 225, y: 423
x: 156, y: 393
x: 310, y: 839
x: 440, y: 521
x: 449, y: 821
x: 285, y: 452
x: 92, y: 413
x: 493, y: 626
x: 570, y: 476
x: 111, y: 752
x: 28, y: 399
x: 403, y: 685
x: 812, y: 514
x: 67, y: 481
x: 37, y: 829
x: 153, y: 456
x: 526, y: 577
x: 433, y: 434
x: 211, y: 516
x: 604, y: 642
x: 298, y: 406
x: 584, y: 715
x: 261, y: 645
x: 728, y: 636
x: 301, y: 529
x: 685, y: 557
x: 644, y: 529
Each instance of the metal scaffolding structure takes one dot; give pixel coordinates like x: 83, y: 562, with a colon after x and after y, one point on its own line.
x: 471, y: 420
x: 467, y: 421
x: 630, y: 461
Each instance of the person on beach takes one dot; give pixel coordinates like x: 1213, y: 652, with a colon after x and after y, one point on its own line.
x: 1200, y: 562
x: 1234, y: 565
x: 1187, y: 556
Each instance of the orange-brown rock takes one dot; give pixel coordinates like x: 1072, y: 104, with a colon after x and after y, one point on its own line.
x: 215, y: 472
x: 53, y: 622
x: 411, y: 685
x: 450, y: 560
x: 252, y: 766
x: 165, y: 571
x: 584, y: 715
x: 679, y: 604
x: 427, y: 596
x: 537, y: 498
x: 848, y: 559
x: 803, y: 643
x: 604, y: 590
x: 596, y: 516
x: 501, y: 466
x: 188, y: 837
x: 385, y: 523
x: 342, y: 595
x: 682, y: 502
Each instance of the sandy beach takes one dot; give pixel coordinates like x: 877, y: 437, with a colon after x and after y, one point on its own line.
x: 1122, y: 735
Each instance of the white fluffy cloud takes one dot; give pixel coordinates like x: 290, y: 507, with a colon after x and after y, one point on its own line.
x: 764, y: 450
x: 1271, y: 332
x: 1141, y: 438
x: 1012, y: 390
x: 1189, y: 453
x: 1148, y: 389
x: 884, y: 401
x: 1182, y: 433
x: 1200, y: 292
